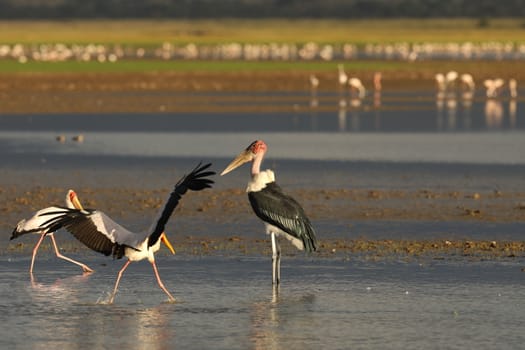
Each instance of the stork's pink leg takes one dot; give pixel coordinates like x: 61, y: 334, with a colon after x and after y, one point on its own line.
x: 35, y: 250
x: 84, y: 267
x: 118, y: 280
x: 171, y: 298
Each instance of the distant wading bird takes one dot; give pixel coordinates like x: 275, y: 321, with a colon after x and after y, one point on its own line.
x: 100, y: 233
x: 493, y: 87
x: 33, y: 225
x: 282, y: 215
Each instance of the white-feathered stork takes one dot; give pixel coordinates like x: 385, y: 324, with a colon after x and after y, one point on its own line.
x: 100, y: 233
x: 282, y: 214
x: 33, y: 225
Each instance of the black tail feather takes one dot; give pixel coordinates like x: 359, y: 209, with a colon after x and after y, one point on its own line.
x: 310, y: 242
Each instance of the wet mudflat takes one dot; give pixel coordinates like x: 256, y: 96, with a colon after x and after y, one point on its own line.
x: 419, y: 209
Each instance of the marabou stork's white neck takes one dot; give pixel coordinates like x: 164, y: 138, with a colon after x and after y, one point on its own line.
x: 257, y: 161
x: 259, y: 178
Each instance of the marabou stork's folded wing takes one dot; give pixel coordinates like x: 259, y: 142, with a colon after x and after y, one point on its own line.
x: 94, y: 229
x: 196, y: 181
x: 275, y: 207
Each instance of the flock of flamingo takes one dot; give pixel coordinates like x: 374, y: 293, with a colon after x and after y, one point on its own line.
x: 448, y: 86
x: 445, y: 83
x: 494, y: 87
x: 266, y: 51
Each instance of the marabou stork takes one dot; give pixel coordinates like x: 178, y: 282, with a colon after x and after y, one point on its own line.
x: 100, y: 233
x: 33, y: 225
x: 282, y: 215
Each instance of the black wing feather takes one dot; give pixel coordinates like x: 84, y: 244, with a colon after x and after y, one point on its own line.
x: 196, y: 181
x: 16, y: 233
x: 275, y: 207
x: 79, y: 224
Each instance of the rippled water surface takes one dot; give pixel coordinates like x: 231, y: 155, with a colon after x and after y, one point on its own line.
x: 229, y: 303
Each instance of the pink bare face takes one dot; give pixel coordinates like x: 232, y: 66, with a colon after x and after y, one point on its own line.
x: 257, y: 146
x: 72, y: 196
x: 254, y: 152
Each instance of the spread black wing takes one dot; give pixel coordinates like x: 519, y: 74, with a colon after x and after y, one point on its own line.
x: 94, y: 229
x: 195, y: 181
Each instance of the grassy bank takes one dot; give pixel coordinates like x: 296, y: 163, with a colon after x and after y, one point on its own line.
x: 148, y: 32
x: 390, y: 69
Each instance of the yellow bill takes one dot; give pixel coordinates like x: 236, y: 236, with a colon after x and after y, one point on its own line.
x: 164, y: 240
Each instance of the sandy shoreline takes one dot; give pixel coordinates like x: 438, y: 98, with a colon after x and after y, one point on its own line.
x: 220, y: 215
x: 326, y: 204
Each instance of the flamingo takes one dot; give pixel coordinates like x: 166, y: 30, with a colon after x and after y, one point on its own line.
x: 493, y: 86
x: 450, y: 78
x: 356, y: 85
x: 468, y: 81
x: 513, y: 88
x: 343, y: 78
x: 377, y: 81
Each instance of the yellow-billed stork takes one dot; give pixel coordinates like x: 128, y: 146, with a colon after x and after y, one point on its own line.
x: 282, y: 214
x: 100, y: 233
x: 33, y: 225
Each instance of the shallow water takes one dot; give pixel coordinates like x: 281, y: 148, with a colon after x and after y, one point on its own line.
x: 228, y: 303
x: 413, y: 142
x: 397, y: 126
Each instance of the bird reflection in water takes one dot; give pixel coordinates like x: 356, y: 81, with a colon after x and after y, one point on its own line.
x: 341, y: 117
x: 377, y: 109
x: 280, y: 318
x: 265, y: 322
x: 513, y: 108
x: 55, y: 307
x: 493, y: 113
x: 60, y: 291
x: 446, y: 110
x: 451, y: 111
x: 467, y: 98
x: 314, y: 102
x: 513, y: 105
x: 138, y: 328
x: 355, y: 118
x: 152, y: 328
x: 440, y: 106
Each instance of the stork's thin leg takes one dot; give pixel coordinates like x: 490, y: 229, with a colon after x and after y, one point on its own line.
x: 276, y: 260
x: 275, y: 293
x: 118, y: 280
x: 35, y: 250
x: 171, y: 298
x: 84, y: 267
